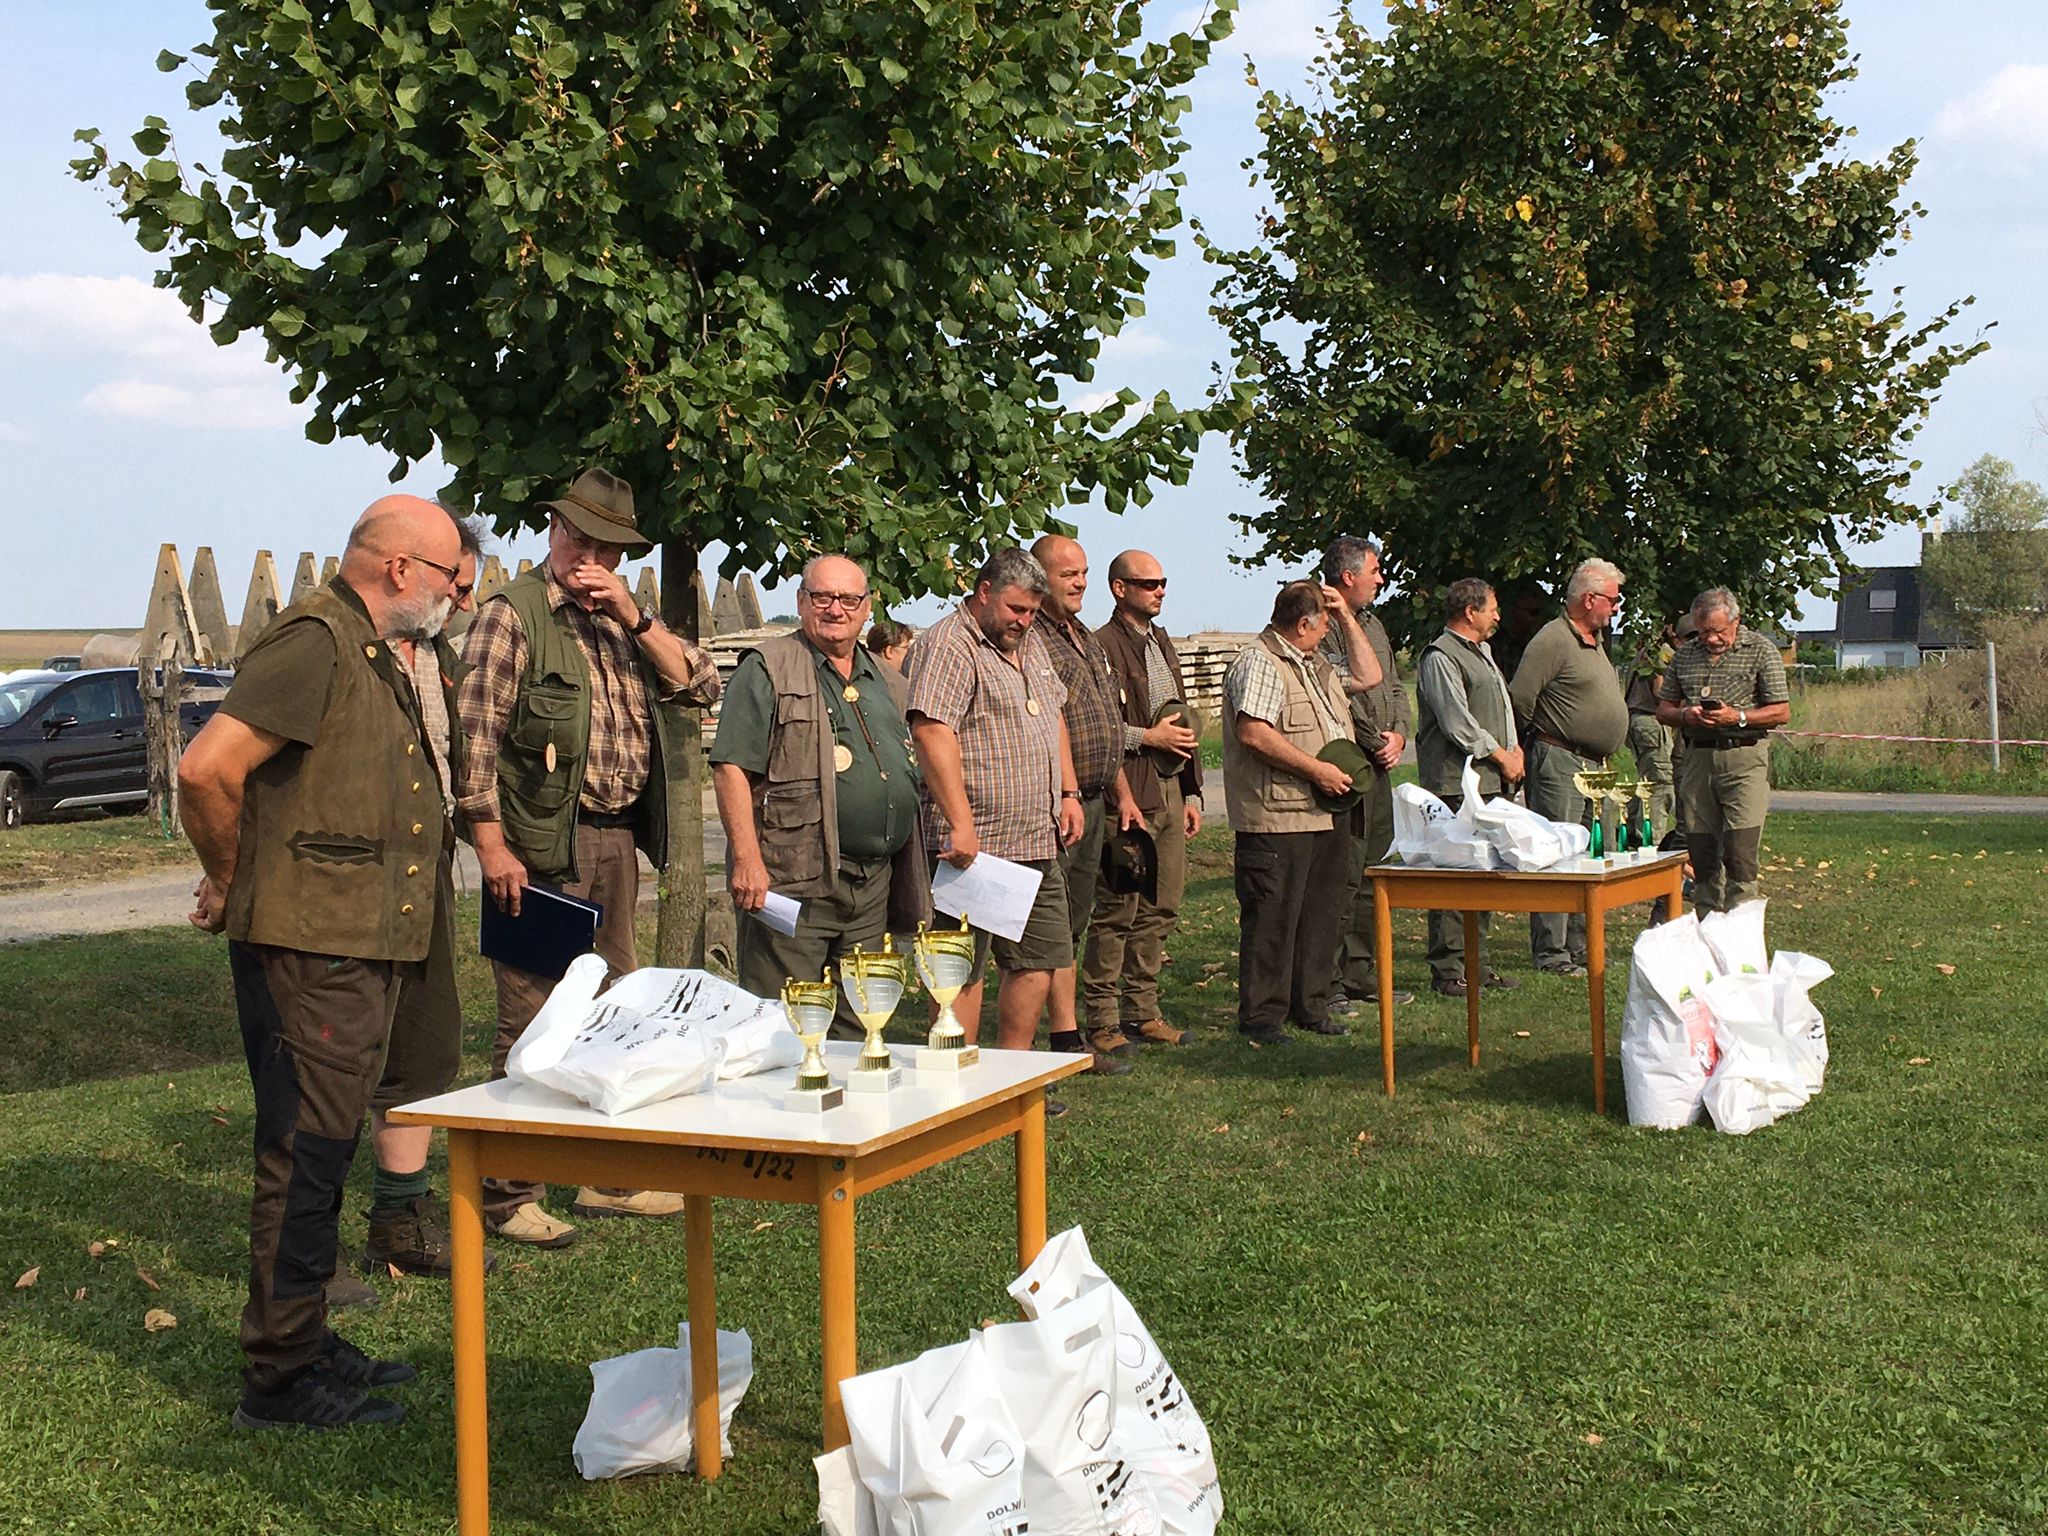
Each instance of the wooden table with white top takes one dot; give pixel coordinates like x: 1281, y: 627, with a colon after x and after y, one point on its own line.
x: 1588, y: 887
x: 736, y: 1140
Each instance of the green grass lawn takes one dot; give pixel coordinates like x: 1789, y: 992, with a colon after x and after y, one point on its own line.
x: 86, y: 849
x: 1475, y: 1307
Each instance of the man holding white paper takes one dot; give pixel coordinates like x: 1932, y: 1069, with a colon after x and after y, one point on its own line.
x: 986, y: 713
x: 817, y: 789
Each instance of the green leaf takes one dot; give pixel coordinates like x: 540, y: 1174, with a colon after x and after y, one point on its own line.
x: 287, y: 320
x: 168, y: 61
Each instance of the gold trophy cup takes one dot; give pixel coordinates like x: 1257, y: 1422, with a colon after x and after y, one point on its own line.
x: 1622, y: 792
x: 1596, y: 784
x: 945, y: 964
x: 874, y: 984
x: 810, y: 1006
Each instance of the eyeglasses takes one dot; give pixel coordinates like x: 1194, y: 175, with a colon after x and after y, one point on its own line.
x: 463, y: 589
x: 1144, y: 583
x: 845, y: 601
x: 1612, y: 599
x: 446, y: 570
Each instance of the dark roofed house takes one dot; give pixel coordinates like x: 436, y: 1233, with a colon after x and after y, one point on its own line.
x: 1881, y: 621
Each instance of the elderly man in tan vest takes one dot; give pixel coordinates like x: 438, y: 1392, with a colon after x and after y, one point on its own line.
x: 1282, y: 705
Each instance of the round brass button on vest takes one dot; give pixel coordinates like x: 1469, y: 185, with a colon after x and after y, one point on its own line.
x: 410, y: 748
x: 415, y: 786
x: 406, y: 910
x: 412, y: 869
x: 370, y: 651
x: 417, y: 829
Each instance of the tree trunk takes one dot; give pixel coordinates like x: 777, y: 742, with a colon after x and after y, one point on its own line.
x: 679, y: 929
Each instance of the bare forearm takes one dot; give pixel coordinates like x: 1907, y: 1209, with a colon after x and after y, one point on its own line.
x: 1266, y: 743
x: 938, y: 752
x: 735, y: 792
x: 212, y: 814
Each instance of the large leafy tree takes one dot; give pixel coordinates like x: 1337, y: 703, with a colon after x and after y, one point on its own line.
x: 1990, y: 563
x: 810, y: 276
x: 1545, y: 279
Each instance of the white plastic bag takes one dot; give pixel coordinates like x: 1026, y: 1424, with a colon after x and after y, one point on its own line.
x: 1667, y: 1032
x: 639, y: 1414
x: 1526, y: 840
x: 657, y: 1034
x: 1797, y: 1019
x: 935, y: 1447
x: 845, y: 1508
x: 1179, y: 1465
x: 1763, y: 1073
x: 1059, y: 1374
x: 1421, y: 821
x: 1737, y: 939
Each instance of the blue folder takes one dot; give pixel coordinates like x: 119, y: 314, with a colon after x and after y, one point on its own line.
x: 552, y: 929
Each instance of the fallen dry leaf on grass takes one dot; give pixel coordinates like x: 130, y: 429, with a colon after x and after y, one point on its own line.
x: 1521, y: 1034
x: 1877, y: 991
x: 1918, y: 1061
x: 1946, y: 970
x: 1220, y: 1130
x: 396, y: 1272
x: 156, y: 1320
x: 98, y: 1249
x: 28, y: 1278
x: 1591, y: 1439
x: 79, y: 1294
x: 218, y: 1119
x: 147, y: 1278
x: 763, y: 1226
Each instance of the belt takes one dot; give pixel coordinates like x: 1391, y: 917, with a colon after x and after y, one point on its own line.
x: 603, y: 820
x: 1719, y: 743
x: 1558, y: 741
x: 860, y: 871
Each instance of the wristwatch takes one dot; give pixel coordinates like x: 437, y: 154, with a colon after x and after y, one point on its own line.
x: 1742, y: 719
x: 646, y: 623
x: 1070, y: 794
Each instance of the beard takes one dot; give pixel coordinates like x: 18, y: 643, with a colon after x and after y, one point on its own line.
x: 421, y: 619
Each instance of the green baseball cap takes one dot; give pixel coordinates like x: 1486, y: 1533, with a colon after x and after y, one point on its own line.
x: 1351, y: 757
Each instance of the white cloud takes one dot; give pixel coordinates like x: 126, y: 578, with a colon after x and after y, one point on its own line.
x: 1270, y: 29
x: 10, y: 433
x: 1135, y: 342
x: 165, y: 367
x: 2008, y: 112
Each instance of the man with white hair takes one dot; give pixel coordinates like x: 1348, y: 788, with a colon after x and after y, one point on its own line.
x: 1574, y: 717
x: 1724, y: 690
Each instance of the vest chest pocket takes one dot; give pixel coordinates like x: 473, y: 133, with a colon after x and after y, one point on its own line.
x: 793, y: 746
x: 547, y: 712
x: 1298, y: 717
x: 792, y: 831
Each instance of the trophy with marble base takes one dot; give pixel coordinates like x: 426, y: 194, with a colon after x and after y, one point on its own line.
x: 874, y: 984
x: 1596, y: 784
x: 810, y: 1006
x: 945, y: 964
x: 1623, y: 792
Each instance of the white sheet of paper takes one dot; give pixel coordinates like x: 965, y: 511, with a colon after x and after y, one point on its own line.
x: 995, y: 894
x: 780, y: 912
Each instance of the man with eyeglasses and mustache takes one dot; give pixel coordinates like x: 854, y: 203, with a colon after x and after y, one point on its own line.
x: 564, y: 771
x: 320, y: 824
x: 1574, y: 717
x: 817, y: 790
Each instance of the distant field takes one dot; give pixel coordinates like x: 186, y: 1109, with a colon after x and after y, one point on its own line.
x: 28, y: 647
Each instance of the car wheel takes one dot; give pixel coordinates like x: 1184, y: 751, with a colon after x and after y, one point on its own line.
x: 11, y: 796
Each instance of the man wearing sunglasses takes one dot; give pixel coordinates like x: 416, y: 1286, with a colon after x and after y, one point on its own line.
x: 817, y: 789
x: 564, y: 773
x: 1574, y: 717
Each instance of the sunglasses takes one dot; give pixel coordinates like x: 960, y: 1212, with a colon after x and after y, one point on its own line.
x: 1144, y: 583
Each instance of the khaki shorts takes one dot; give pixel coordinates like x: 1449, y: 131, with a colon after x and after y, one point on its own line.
x: 1048, y: 942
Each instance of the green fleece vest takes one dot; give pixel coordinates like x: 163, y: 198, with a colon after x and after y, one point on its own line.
x: 339, y: 841
x: 538, y: 789
x: 1439, y: 761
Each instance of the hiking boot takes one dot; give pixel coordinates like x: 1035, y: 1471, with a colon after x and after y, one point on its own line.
x: 1329, y: 1027
x: 352, y: 1368
x: 1500, y: 983
x: 410, y: 1239
x: 314, y: 1399
x: 533, y: 1225
x: 1571, y: 970
x: 1448, y: 986
x: 1104, y: 1064
x: 343, y: 1290
x: 1111, y: 1042
x: 1266, y: 1036
x: 1159, y: 1032
x: 626, y: 1202
x: 1054, y: 1108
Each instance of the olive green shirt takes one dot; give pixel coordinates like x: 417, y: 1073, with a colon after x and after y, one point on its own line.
x: 1565, y: 687
x: 877, y: 791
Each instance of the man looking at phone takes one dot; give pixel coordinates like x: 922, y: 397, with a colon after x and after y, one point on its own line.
x: 1723, y: 691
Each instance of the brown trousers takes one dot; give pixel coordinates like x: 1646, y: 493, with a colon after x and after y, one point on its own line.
x: 314, y: 1029
x: 426, y: 1030
x: 1127, y: 939
x: 608, y: 873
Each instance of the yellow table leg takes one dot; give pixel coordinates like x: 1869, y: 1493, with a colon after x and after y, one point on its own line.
x: 1475, y: 974
x: 1596, y: 993
x: 835, y: 1293
x: 1031, y: 1179
x: 466, y: 1287
x: 1383, y: 964
x: 703, y: 1282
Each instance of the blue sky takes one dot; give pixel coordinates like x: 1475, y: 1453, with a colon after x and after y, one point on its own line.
x: 122, y: 427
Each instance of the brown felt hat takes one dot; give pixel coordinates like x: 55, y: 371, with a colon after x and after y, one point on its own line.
x: 598, y: 503
x: 1130, y: 862
x: 1170, y: 763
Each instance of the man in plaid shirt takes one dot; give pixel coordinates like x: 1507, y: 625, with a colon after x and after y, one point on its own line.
x: 563, y: 774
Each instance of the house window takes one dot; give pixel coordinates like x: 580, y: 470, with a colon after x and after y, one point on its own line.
x: 1895, y: 658
x: 1884, y: 601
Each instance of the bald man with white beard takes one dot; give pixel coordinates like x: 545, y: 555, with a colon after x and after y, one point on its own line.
x: 313, y: 804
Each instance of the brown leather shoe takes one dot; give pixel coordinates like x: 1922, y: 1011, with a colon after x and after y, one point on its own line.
x: 1159, y: 1032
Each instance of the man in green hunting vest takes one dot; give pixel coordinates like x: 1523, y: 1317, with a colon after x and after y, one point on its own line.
x: 562, y: 774
x: 313, y: 804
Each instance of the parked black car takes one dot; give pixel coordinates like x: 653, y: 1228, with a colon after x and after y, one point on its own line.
x: 72, y: 740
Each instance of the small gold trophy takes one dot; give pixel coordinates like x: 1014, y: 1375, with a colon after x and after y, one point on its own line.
x: 810, y: 1006
x: 1596, y: 784
x: 1622, y: 793
x: 874, y: 984
x: 945, y: 964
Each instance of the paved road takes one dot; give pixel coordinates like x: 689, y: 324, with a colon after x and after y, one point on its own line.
x: 162, y: 900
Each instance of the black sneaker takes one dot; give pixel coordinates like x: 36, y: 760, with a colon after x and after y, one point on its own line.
x: 412, y: 1240
x: 1267, y: 1036
x: 356, y: 1369
x: 1054, y: 1108
x: 1330, y: 1027
x: 315, y: 1399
